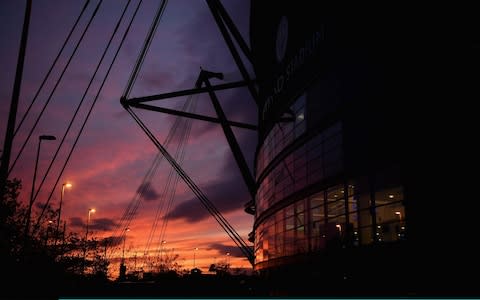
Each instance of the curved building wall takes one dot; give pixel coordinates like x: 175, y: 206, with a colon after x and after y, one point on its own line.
x: 354, y: 189
x: 327, y: 167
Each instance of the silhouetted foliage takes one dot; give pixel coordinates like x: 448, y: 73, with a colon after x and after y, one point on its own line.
x: 46, y: 259
x: 11, y: 213
x: 52, y: 263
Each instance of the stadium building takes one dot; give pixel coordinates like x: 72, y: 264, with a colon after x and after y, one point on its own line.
x: 339, y: 201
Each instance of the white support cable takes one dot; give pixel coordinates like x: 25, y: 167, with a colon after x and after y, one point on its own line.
x: 247, y: 251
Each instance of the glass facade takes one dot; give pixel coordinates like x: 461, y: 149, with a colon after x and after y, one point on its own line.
x: 319, y: 158
x: 354, y: 213
x: 334, y: 210
x: 283, y: 134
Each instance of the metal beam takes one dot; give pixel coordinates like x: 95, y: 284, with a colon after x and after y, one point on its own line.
x: 191, y: 115
x: 234, y: 30
x: 10, y: 131
x: 213, y: 5
x: 185, y: 92
x: 232, y: 141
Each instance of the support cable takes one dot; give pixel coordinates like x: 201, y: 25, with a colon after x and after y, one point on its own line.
x: 146, y: 46
x: 236, y: 57
x: 134, y: 75
x: 247, y: 251
x: 170, y: 193
x: 234, y: 30
x: 93, y: 103
x: 52, y: 66
x: 136, y: 201
x: 78, y: 109
x: 56, y: 85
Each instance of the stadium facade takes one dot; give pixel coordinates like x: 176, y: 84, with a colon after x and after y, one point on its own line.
x: 338, y: 204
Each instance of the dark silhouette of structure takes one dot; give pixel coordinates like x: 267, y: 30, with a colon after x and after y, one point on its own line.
x: 346, y: 156
x: 347, y: 165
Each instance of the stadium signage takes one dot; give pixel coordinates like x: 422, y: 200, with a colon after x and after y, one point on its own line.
x: 299, y: 59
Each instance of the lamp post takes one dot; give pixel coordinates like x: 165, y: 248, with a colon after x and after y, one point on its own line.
x: 91, y: 210
x: 162, y: 253
x: 339, y: 228
x: 30, y: 204
x: 228, y: 259
x: 50, y: 222
x: 399, y: 213
x: 124, y: 239
x: 194, y: 250
x: 68, y: 185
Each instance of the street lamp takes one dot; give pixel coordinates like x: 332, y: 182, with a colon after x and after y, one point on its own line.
x: 64, y: 185
x: 339, y: 228
x: 228, y: 258
x: 50, y: 222
x: 90, y: 210
x: 194, y: 256
x: 30, y: 204
x: 399, y: 215
x: 124, y: 239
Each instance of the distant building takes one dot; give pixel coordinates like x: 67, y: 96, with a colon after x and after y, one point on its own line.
x: 339, y: 198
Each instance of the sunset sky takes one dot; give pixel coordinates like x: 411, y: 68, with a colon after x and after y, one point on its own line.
x: 113, y: 154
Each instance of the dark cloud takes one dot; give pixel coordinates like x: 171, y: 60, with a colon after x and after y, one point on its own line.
x: 112, y: 241
x: 101, y: 224
x: 228, y: 194
x: 148, y: 192
x: 77, y: 222
x: 224, y: 249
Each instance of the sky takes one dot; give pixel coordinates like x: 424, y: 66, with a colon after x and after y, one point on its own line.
x: 113, y: 154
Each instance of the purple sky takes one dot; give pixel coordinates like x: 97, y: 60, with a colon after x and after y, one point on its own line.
x: 113, y: 154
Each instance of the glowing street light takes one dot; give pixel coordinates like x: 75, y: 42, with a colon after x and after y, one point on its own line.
x: 91, y: 210
x: 64, y: 185
x: 399, y: 215
x: 194, y: 250
x: 339, y: 228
